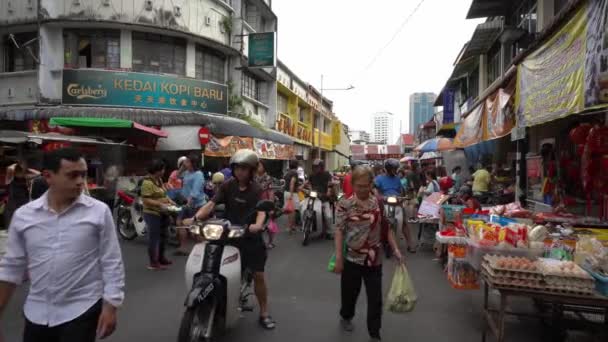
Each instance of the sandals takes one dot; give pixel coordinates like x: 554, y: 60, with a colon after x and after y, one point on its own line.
x: 267, y: 323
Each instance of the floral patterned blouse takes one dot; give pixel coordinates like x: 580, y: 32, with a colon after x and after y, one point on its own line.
x: 360, y: 223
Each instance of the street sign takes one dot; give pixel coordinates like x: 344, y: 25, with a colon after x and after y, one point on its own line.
x: 203, y: 135
x: 262, y: 49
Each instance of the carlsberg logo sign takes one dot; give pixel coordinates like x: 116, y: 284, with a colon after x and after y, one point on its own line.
x: 81, y: 92
x: 139, y: 90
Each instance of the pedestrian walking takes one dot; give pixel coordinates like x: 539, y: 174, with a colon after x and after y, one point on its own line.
x: 67, y: 243
x: 155, y: 201
x: 291, y: 194
x: 264, y: 181
x: 193, y: 192
x: 18, y: 178
x: 358, y: 246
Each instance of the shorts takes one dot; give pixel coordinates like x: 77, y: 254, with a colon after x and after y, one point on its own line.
x: 296, y: 198
x: 253, y: 253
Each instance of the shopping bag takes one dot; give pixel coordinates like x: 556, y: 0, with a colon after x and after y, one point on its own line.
x: 331, y: 265
x: 402, y: 296
x: 273, y: 227
x: 289, y: 207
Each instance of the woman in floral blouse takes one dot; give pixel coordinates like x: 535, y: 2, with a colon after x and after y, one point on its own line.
x: 358, y: 226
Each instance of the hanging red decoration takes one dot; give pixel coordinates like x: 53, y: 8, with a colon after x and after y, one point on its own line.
x: 578, y: 135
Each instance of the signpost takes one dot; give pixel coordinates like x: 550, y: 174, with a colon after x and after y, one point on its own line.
x: 262, y: 49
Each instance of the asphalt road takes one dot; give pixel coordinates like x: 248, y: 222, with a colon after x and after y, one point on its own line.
x: 304, y: 300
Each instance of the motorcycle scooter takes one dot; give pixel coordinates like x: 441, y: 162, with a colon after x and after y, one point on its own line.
x: 218, y: 288
x: 130, y: 217
x: 311, y: 221
x: 391, y: 203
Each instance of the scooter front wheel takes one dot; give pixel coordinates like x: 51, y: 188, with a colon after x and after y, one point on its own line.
x: 193, y: 325
x: 125, y: 226
x: 307, y: 229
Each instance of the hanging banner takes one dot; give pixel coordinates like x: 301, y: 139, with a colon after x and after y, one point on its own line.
x: 267, y: 149
x: 227, y: 146
x: 471, y: 131
x: 569, y: 72
x: 448, y: 106
x: 499, y: 118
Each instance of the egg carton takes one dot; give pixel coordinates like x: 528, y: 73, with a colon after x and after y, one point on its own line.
x: 542, y: 288
x: 570, y: 290
x: 562, y: 281
x: 576, y: 273
x: 493, y: 260
x: 515, y: 283
x: 512, y: 274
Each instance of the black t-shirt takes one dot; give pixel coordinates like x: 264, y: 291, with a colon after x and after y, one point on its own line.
x: 320, y: 182
x: 288, y: 177
x: 240, y: 205
x: 39, y: 187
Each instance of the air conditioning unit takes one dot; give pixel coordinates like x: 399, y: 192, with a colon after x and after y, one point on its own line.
x: 106, y: 2
x: 76, y: 2
x: 9, y: 7
x: 148, y: 5
x: 177, y: 11
x: 208, y: 21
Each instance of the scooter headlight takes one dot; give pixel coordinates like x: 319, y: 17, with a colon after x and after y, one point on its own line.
x: 391, y: 200
x: 213, y: 231
x: 313, y: 194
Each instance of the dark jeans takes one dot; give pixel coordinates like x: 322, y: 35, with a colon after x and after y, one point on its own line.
x: 352, y: 276
x: 80, y: 329
x: 157, y: 227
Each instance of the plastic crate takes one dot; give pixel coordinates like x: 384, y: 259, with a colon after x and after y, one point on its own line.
x: 601, y: 283
x: 476, y: 252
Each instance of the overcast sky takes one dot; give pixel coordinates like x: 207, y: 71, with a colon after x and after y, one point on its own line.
x: 339, y: 39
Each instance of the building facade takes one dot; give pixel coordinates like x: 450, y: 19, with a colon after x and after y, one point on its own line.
x: 383, y: 127
x: 421, y: 110
x: 166, y: 63
x: 359, y: 136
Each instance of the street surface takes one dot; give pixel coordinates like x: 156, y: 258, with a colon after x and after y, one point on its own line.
x: 304, y: 300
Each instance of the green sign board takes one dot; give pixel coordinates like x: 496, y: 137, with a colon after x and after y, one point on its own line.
x: 129, y: 89
x: 261, y: 49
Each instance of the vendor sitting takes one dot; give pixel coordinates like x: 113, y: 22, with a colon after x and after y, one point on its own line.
x: 465, y: 197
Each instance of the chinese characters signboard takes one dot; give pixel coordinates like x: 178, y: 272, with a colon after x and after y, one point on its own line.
x: 128, y: 89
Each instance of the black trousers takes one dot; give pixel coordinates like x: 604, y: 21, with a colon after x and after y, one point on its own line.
x: 352, y: 277
x: 80, y: 329
x: 157, y: 227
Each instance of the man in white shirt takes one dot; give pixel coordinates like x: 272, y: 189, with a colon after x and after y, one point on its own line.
x: 66, y: 242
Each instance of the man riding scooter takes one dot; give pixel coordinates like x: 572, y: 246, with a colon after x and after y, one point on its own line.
x: 389, y: 184
x: 320, y: 181
x: 240, y: 195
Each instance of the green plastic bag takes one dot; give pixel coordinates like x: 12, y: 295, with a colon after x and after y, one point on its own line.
x: 331, y: 265
x: 402, y: 296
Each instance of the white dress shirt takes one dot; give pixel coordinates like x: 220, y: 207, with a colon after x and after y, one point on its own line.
x: 73, y: 259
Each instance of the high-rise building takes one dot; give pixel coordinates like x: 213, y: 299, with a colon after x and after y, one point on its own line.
x: 359, y: 136
x: 421, y: 110
x: 383, y: 127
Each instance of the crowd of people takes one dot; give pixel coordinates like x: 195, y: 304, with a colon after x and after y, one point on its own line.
x: 85, y: 277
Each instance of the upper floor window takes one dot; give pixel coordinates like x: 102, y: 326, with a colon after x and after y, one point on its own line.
x: 92, y: 49
x: 20, y: 52
x: 525, y: 16
x: 209, y: 66
x: 494, y: 69
x: 282, y: 103
x: 302, y: 113
x: 251, y: 87
x: 160, y: 54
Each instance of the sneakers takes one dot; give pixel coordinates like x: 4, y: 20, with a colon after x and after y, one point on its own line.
x: 347, y: 325
x: 267, y: 323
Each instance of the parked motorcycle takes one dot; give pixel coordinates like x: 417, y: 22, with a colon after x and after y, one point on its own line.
x: 130, y: 217
x: 312, y: 222
x: 218, y: 290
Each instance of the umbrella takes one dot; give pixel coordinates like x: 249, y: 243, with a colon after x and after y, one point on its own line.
x: 430, y: 155
x: 436, y: 144
x: 407, y: 159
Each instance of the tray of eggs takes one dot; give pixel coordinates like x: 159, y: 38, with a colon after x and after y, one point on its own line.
x: 512, y: 264
x: 563, y: 269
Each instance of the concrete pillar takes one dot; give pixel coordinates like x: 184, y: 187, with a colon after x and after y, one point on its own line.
x: 126, y: 49
x: 483, y: 74
x: 545, y: 12
x: 51, y: 64
x: 191, y: 59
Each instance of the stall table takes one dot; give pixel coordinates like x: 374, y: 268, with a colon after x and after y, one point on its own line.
x: 427, y: 224
x: 561, y: 302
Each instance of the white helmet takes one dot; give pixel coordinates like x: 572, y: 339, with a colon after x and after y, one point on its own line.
x: 245, y: 157
x: 181, y: 160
